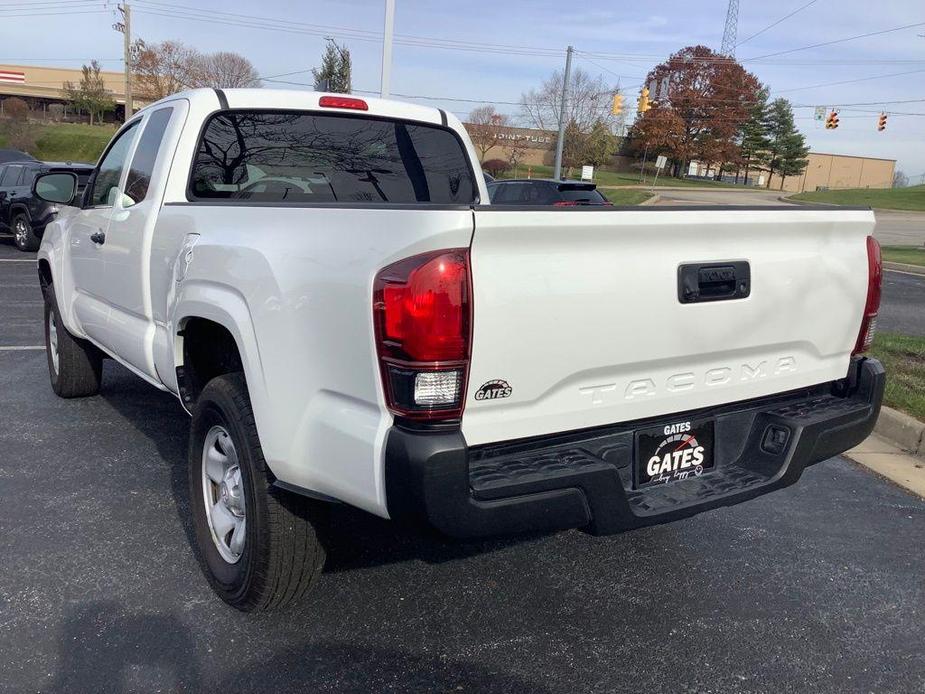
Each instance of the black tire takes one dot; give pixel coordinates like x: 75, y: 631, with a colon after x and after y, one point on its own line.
x: 23, y: 235
x: 282, y: 556
x: 79, y: 368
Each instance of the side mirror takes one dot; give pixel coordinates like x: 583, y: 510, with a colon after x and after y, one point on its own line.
x: 58, y: 188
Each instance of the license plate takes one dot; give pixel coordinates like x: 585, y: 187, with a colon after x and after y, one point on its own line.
x: 673, y: 452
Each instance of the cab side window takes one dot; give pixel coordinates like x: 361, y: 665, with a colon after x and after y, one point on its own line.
x: 11, y: 176
x: 110, y: 169
x: 139, y: 173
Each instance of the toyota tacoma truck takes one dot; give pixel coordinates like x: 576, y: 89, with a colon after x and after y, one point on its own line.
x: 321, y: 281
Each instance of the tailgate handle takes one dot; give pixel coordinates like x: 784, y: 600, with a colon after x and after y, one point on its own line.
x: 716, y: 281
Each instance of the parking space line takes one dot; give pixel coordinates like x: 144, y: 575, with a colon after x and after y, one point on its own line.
x: 21, y: 348
x: 17, y: 260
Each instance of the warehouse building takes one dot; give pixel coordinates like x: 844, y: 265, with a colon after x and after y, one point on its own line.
x: 41, y: 86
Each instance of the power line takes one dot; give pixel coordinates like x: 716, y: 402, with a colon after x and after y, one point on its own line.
x: 774, y: 24
x: 860, y: 79
x: 345, y: 32
x: 830, y: 43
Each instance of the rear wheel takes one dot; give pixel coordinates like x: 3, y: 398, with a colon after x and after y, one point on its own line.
x: 75, y: 367
x: 258, y: 546
x: 23, y: 235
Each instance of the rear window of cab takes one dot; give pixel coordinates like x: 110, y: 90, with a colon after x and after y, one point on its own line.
x: 301, y: 157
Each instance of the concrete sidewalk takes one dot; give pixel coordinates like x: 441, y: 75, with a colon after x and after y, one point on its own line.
x: 880, y: 455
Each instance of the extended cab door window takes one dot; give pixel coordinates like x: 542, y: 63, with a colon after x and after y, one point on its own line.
x: 109, y: 173
x: 301, y: 157
x: 139, y: 173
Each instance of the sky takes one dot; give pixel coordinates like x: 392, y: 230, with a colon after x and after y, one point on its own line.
x: 474, y: 52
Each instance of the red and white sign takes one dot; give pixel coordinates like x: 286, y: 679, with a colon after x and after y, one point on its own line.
x: 9, y: 76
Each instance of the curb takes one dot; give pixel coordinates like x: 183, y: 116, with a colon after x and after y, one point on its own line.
x: 656, y: 197
x: 903, y: 267
x: 906, y: 432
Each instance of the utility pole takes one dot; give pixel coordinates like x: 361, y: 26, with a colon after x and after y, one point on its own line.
x: 387, y: 48
x: 125, y: 26
x: 557, y: 170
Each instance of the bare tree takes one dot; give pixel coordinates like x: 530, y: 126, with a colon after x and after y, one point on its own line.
x: 162, y: 69
x: 484, y: 125
x: 900, y: 180
x: 223, y: 70
x: 19, y: 131
x: 589, y: 101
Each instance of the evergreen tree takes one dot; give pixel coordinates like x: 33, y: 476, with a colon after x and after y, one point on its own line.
x: 334, y: 75
x: 600, y: 145
x: 753, y: 146
x: 787, y: 150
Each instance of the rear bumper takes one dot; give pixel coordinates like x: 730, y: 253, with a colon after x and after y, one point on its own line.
x: 583, y: 479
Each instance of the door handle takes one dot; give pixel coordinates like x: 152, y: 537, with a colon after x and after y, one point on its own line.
x: 98, y: 237
x: 713, y: 281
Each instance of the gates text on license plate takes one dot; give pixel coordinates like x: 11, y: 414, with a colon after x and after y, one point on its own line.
x: 674, y: 451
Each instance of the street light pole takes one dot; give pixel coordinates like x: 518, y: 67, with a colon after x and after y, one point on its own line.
x: 387, y: 48
x: 557, y: 169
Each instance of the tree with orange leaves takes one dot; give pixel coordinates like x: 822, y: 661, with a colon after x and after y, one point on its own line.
x: 709, y: 97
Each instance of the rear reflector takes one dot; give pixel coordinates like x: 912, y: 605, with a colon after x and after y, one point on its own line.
x: 874, y: 290
x: 343, y: 102
x: 423, y: 317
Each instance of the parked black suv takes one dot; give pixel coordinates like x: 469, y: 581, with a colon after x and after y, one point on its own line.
x: 544, y: 191
x: 21, y: 213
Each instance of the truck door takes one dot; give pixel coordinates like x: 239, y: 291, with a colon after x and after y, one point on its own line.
x: 127, y: 244
x: 87, y: 237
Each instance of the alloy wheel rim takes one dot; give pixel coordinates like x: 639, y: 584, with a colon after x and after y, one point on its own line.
x: 20, y: 231
x: 223, y: 494
x: 53, y: 340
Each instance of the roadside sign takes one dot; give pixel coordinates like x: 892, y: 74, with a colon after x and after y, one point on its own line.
x: 587, y: 173
x: 661, y: 161
x: 819, y: 113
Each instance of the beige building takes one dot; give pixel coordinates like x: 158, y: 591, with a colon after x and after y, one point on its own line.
x: 45, y: 85
x: 839, y: 171
x: 537, y: 146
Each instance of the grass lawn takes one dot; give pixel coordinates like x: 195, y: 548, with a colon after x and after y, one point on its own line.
x: 904, y: 359
x: 624, y: 196
x: 911, y: 255
x: 68, y: 141
x: 911, y: 198
x: 612, y: 178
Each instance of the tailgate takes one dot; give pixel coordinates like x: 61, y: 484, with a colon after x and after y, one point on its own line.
x: 578, y: 322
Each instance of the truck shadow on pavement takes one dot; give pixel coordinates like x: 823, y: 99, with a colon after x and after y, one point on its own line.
x: 355, y: 539
x: 102, y: 648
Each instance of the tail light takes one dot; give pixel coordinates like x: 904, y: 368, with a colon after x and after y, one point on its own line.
x: 565, y: 203
x: 422, y: 309
x: 872, y: 306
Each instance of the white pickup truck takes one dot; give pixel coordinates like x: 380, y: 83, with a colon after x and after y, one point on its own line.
x: 322, y: 283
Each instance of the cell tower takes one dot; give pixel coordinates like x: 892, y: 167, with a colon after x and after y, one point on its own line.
x: 732, y: 28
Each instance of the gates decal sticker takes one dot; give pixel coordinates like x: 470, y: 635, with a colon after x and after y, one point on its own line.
x: 494, y: 390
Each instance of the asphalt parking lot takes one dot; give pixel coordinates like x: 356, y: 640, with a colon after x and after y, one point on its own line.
x: 818, y: 587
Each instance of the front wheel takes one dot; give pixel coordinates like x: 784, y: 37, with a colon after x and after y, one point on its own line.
x: 257, y: 545
x: 75, y: 366
x: 23, y: 235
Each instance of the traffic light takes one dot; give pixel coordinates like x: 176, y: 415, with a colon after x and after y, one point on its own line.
x: 643, y: 105
x: 617, y: 107
x: 881, y: 122
x: 831, y: 122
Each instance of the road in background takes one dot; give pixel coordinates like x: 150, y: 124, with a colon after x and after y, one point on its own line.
x: 813, y: 588
x: 902, y: 309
